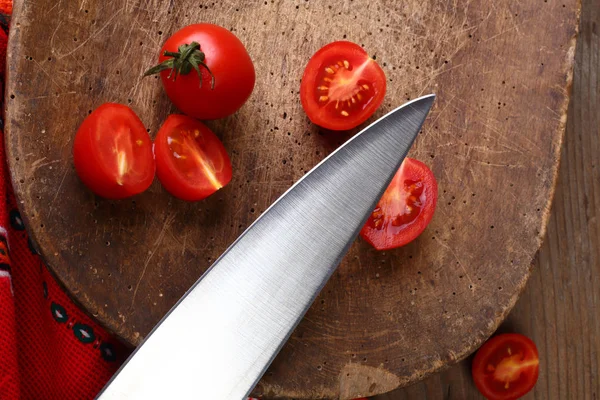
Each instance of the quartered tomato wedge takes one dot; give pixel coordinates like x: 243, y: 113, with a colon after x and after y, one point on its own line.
x: 405, y: 209
x: 341, y: 86
x: 191, y: 162
x: 506, y: 367
x: 113, y: 152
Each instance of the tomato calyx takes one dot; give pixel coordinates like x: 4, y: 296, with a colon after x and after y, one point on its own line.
x: 181, y: 62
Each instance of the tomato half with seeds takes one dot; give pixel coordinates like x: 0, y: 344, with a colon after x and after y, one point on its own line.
x: 191, y: 161
x: 341, y: 86
x: 113, y: 152
x: 506, y: 367
x: 405, y: 209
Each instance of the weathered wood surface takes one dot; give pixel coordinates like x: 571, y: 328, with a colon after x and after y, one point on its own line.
x: 559, y: 307
x: 501, y: 73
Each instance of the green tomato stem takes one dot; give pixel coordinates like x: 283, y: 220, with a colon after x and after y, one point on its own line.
x: 188, y: 57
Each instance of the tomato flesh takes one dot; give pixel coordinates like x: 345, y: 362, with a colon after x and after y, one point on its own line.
x: 405, y: 209
x: 341, y: 89
x: 506, y: 367
x: 341, y: 86
x: 191, y: 162
x: 112, y: 152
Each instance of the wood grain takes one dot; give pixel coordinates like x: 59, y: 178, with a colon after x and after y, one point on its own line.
x: 384, y: 320
x: 559, y: 308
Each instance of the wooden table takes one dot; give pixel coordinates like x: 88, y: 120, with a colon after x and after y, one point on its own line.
x: 560, y: 307
x: 385, y: 319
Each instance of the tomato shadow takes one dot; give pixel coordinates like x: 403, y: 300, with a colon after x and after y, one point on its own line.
x: 511, y: 324
x: 331, y: 140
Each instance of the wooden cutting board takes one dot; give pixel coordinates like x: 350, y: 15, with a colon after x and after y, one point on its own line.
x: 501, y: 71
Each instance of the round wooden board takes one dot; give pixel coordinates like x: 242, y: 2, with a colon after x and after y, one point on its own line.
x: 501, y: 72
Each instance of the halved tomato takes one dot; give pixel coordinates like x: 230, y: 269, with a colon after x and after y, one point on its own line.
x: 113, y: 152
x: 191, y: 161
x: 405, y: 209
x: 506, y: 367
x: 341, y: 86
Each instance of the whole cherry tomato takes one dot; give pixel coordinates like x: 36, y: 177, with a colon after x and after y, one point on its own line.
x: 206, y: 71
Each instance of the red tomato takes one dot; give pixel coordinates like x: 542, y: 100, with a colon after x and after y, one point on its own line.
x: 206, y: 71
x: 191, y: 162
x: 113, y: 152
x: 506, y: 367
x: 341, y: 86
x: 405, y: 209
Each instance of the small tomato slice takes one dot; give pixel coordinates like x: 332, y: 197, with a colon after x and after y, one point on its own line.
x: 341, y: 86
x: 112, y: 152
x: 405, y: 209
x: 191, y: 161
x: 506, y: 367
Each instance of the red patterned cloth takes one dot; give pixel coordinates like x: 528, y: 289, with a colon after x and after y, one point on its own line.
x: 49, y: 349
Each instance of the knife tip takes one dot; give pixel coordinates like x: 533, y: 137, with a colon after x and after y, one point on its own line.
x: 425, y: 101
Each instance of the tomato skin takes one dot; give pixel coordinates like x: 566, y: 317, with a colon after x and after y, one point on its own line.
x: 174, y: 174
x: 230, y: 64
x: 102, y: 132
x: 328, y: 82
x: 390, y: 225
x: 506, y: 367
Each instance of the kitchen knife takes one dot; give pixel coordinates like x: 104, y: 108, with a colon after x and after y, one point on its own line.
x: 219, y: 339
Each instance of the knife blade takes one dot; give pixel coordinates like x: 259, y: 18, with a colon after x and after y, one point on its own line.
x: 222, y: 335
